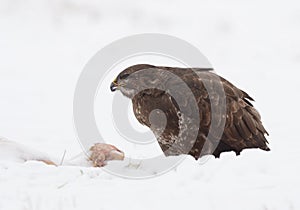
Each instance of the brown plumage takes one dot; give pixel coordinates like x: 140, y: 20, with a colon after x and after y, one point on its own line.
x: 192, y: 110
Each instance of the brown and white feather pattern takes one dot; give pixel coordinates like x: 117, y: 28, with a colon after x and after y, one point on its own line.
x: 242, y: 123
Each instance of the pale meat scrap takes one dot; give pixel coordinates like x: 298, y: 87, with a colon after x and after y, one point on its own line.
x: 101, y: 153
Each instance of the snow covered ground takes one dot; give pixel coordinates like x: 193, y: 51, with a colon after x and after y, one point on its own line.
x: 44, y: 46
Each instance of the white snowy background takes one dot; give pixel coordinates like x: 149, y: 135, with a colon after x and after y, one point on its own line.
x: 44, y: 45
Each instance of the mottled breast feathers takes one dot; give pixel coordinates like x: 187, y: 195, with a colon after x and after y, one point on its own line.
x: 223, y: 118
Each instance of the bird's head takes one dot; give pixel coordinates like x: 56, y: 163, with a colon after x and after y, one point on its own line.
x: 131, y: 80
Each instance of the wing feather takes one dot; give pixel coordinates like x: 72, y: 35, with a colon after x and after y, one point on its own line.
x: 243, y: 127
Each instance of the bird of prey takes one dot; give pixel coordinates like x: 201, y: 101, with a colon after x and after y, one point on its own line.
x: 192, y: 111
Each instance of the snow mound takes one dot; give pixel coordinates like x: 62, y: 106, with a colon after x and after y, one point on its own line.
x: 11, y: 151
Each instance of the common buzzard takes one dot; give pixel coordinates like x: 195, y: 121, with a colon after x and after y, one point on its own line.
x: 192, y: 110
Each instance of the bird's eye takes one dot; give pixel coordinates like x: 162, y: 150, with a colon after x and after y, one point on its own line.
x: 124, y: 76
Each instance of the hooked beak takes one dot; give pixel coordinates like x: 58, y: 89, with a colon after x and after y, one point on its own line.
x: 114, y: 86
